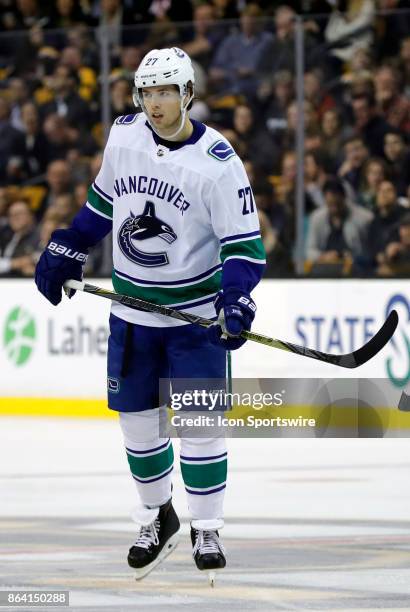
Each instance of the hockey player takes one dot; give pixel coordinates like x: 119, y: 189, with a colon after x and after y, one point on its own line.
x: 186, y: 234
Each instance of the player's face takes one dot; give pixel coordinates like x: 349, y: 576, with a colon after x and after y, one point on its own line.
x: 163, y: 106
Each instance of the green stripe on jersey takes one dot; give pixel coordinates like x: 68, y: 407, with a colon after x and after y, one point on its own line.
x: 168, y: 295
x: 202, y: 475
x: 245, y: 248
x: 99, y: 203
x: 153, y: 465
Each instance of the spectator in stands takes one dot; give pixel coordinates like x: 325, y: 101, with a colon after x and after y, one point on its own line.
x: 278, y: 259
x: 373, y: 174
x: 67, y: 103
x: 86, y: 77
x: 46, y: 61
x: 276, y: 94
x: 391, y: 103
x: 281, y: 55
x: 61, y: 138
x: 58, y: 181
x: 359, y: 85
x: 226, y: 9
x: 79, y: 166
x: 29, y: 15
x: 35, y: 143
x: 8, y: 195
x: 250, y: 170
x: 338, y: 230
x: 316, y: 94
x: 121, y: 98
x: 62, y: 209
x: 11, y: 145
x: 80, y: 195
x: 67, y: 13
x: 46, y: 228
x: 206, y: 36
x: 312, y: 132
x: 238, y: 60
x: 24, y: 48
x: 392, y: 27
x: 257, y: 145
x: 79, y: 36
x: 19, y: 94
x: 333, y: 134
x: 404, y: 64
x: 4, y: 202
x: 357, y: 17
x: 113, y: 16
x: 129, y: 61
x: 384, y: 228
x: 315, y: 178
x: 263, y: 194
x: 284, y: 189
x: 18, y: 240
x: 276, y: 228
x: 396, y: 257
x: 361, y: 66
x: 95, y: 165
x: 397, y: 156
x: 369, y: 124
x: 355, y: 156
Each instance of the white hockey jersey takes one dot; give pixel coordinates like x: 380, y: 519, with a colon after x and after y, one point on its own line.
x: 177, y: 215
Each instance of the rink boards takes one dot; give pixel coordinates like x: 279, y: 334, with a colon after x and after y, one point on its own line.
x: 53, y: 359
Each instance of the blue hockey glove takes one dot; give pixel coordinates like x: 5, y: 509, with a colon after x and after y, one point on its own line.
x: 236, y: 312
x: 63, y: 258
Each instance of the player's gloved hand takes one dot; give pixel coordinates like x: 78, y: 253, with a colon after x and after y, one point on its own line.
x: 62, y: 259
x: 236, y: 311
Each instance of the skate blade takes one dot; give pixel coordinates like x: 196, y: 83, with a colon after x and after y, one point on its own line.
x: 168, y: 548
x: 212, y: 575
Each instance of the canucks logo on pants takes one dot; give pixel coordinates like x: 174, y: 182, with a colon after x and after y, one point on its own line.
x: 142, y: 227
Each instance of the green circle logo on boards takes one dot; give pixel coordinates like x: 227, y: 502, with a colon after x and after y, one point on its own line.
x: 19, y: 336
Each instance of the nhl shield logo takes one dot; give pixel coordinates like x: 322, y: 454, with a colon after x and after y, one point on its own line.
x: 141, y: 227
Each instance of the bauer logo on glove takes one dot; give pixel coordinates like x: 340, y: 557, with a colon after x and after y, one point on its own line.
x: 60, y: 249
x: 63, y: 258
x: 236, y: 312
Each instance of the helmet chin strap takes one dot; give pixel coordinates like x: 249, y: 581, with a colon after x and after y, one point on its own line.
x: 183, y: 109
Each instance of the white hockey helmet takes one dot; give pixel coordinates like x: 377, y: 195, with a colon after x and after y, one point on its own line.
x: 166, y: 67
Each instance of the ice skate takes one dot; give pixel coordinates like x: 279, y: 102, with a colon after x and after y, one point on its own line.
x: 208, y: 552
x: 155, y: 541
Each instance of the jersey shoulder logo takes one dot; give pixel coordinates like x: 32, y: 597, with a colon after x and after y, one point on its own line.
x: 142, y: 227
x: 126, y: 119
x: 221, y: 150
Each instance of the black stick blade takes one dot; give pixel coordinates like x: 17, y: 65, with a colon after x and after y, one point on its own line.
x: 358, y: 357
x: 371, y: 348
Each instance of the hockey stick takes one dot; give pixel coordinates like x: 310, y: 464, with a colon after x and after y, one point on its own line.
x: 349, y: 360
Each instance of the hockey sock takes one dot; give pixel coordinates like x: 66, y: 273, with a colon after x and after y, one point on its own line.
x: 150, y: 457
x: 204, y: 468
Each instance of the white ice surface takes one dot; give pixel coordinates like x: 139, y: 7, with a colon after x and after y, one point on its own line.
x: 65, y: 467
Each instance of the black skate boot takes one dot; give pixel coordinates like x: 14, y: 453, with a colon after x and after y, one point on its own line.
x: 208, y: 552
x: 154, y: 541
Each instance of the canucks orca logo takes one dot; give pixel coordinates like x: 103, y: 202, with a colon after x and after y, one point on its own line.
x: 142, y: 227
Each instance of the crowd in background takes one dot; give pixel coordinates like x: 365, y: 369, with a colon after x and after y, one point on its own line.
x: 356, y: 114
